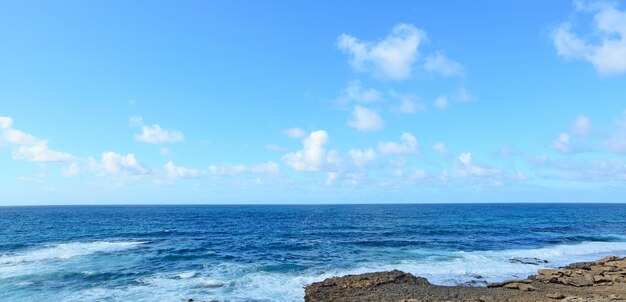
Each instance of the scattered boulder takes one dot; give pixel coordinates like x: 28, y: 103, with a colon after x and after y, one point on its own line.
x: 580, y: 265
x: 520, y: 286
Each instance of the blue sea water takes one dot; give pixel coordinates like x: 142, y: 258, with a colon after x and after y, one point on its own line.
x: 268, y: 253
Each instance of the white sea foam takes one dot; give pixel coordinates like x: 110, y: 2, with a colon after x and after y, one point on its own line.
x: 66, y: 251
x: 187, y: 275
x: 54, y: 258
x: 242, y: 282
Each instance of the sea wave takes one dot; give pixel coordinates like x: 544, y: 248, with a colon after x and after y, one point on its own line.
x: 67, y: 250
x: 241, y: 282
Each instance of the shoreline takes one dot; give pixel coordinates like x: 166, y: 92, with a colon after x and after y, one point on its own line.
x: 600, y: 280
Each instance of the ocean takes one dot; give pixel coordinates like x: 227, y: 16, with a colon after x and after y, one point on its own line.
x: 269, y: 252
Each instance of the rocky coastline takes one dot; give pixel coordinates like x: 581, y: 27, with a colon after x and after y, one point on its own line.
x: 601, y: 280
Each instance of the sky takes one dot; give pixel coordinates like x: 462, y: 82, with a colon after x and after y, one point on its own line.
x: 245, y: 102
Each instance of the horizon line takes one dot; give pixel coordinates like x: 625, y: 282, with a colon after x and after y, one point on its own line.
x: 298, y: 204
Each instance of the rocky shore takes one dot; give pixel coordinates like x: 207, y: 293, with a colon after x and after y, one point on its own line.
x: 601, y: 280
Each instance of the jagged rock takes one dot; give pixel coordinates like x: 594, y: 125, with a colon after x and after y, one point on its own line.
x: 528, y: 260
x: 598, y: 270
x: 545, y: 271
x: 580, y: 265
x: 476, y: 283
x: 601, y: 279
x: 546, y: 278
x: 578, y: 281
x: 575, y: 282
x: 608, y: 259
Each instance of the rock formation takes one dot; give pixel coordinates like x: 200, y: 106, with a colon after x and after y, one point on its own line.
x: 602, y: 280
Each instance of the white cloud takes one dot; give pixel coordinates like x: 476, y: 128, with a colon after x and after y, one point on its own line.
x: 6, y: 122
x: 294, y: 132
x: 18, y: 137
x: 506, y: 151
x: 227, y: 170
x: 570, y: 141
x: 331, y: 178
x: 166, y: 151
x: 275, y: 148
x: 28, y: 147
x: 562, y: 143
x: 174, y: 171
x: 116, y: 164
x: 440, y: 148
x: 608, y: 56
x: 465, y: 167
x: 441, y: 103
x: 392, y: 57
x: 465, y: 158
x: 364, y: 119
x: 269, y: 168
x: 333, y: 159
x: 156, y: 135
x: 136, y: 120
x: 585, y: 170
x: 355, y: 93
x: 581, y: 126
x: 416, y: 175
x: 409, y: 145
x: 40, y: 152
x: 72, y: 170
x: 462, y: 95
x: 312, y: 157
x: 442, y: 65
x: 616, y: 142
x: 409, y: 104
x: 362, y: 158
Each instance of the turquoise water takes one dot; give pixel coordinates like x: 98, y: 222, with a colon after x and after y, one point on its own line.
x: 268, y: 253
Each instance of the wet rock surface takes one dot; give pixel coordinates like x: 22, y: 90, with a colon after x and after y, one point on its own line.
x: 526, y: 260
x: 602, y: 280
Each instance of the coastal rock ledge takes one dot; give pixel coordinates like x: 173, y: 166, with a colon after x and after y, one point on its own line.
x: 602, y: 280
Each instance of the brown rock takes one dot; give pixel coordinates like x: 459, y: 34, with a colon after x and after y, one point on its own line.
x: 503, y: 283
x: 525, y: 287
x: 578, y: 281
x: 545, y: 271
x: 519, y: 284
x: 608, y: 259
x: 598, y: 270
x: 580, y: 265
x: 555, y: 295
x: 573, y: 299
x: 546, y: 278
x: 364, y: 281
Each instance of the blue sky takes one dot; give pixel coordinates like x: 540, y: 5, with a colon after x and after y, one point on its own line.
x: 321, y: 102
